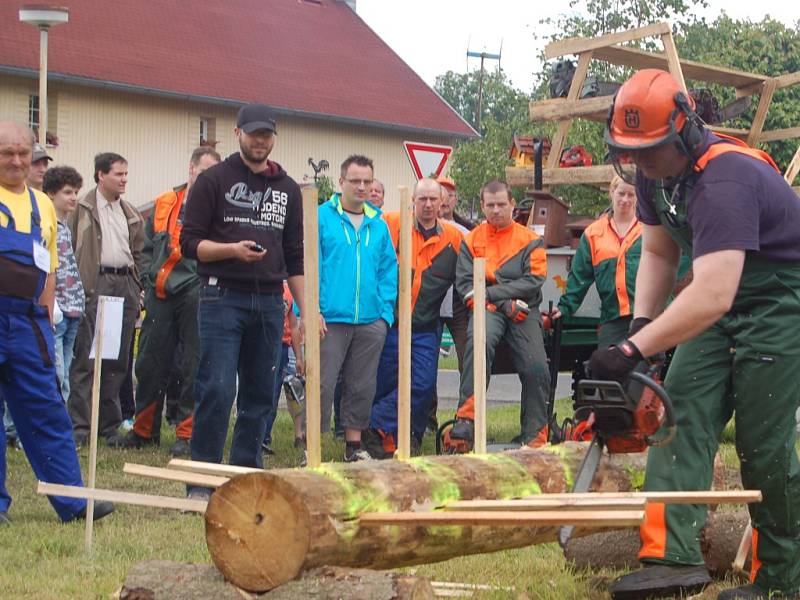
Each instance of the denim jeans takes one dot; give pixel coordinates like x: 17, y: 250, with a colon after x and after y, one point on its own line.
x: 240, y: 333
x: 8, y: 422
x: 66, y: 332
x: 281, y: 372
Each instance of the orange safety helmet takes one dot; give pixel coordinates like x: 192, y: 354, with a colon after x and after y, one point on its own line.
x: 650, y: 109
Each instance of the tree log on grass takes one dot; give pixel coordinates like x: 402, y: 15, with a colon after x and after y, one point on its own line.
x: 263, y: 529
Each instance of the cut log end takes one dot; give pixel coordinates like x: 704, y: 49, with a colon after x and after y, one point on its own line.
x: 257, y: 532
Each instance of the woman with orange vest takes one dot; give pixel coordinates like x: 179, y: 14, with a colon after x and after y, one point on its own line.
x: 608, y: 256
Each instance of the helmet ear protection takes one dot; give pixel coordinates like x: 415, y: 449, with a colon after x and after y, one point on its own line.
x: 691, y: 135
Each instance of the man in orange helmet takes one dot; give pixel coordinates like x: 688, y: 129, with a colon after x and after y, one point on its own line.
x: 735, y: 326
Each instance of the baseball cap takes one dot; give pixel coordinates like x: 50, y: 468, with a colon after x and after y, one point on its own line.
x: 446, y: 182
x: 253, y: 117
x: 39, y: 153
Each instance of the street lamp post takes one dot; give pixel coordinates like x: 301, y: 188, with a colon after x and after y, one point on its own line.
x: 43, y: 17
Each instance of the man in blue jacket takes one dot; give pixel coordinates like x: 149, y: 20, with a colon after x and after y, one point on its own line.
x: 357, y: 293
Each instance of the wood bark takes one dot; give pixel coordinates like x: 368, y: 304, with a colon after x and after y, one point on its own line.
x: 263, y: 529
x: 167, y: 580
x: 719, y: 541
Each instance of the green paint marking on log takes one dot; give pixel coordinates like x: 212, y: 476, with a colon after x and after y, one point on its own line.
x: 358, y: 498
x: 513, y: 479
x: 636, y: 477
x: 562, y: 454
x: 441, y: 480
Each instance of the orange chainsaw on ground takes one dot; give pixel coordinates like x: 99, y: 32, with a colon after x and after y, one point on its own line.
x: 623, y: 418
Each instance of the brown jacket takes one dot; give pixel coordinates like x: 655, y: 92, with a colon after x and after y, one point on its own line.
x: 87, y: 238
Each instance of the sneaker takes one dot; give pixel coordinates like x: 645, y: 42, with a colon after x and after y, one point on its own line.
x: 304, y: 459
x: 13, y: 442
x: 753, y: 592
x: 101, y: 509
x: 658, y: 581
x: 180, y: 448
x: 199, y: 494
x: 267, y: 450
x: 356, y: 455
x: 126, y: 425
x: 4, y: 520
x: 130, y: 440
x: 372, y: 442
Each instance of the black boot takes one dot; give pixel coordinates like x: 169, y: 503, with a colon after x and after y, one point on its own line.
x: 659, y: 581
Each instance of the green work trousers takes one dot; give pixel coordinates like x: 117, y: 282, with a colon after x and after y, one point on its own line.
x: 530, y: 362
x: 746, y: 365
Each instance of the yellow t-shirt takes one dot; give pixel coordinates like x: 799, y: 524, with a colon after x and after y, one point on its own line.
x: 20, y: 207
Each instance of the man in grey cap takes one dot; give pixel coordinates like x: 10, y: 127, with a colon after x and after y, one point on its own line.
x: 40, y: 160
x: 244, y: 226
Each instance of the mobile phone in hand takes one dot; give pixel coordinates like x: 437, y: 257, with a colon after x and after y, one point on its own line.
x: 257, y: 247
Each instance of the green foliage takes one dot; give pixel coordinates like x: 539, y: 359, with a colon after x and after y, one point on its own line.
x: 325, y: 188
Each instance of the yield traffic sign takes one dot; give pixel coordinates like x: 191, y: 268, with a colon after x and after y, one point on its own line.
x: 427, y: 160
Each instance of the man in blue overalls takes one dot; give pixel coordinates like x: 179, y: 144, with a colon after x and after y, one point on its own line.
x: 28, y: 262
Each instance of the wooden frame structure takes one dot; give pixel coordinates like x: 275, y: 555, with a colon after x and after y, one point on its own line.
x: 608, y: 48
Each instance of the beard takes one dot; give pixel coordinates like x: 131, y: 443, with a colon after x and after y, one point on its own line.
x: 250, y: 153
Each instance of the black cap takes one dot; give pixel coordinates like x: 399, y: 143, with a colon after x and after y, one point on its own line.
x: 253, y: 117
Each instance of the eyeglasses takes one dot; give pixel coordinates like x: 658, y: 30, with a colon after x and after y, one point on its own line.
x: 360, y: 182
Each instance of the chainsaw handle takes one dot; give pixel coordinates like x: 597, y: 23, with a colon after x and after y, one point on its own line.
x: 669, y: 412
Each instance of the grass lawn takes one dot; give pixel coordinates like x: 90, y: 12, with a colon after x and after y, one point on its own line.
x: 42, y: 559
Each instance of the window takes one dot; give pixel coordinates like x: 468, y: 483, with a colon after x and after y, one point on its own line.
x: 33, y: 112
x: 208, y: 131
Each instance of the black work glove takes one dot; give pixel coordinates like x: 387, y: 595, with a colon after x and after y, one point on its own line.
x: 637, y: 324
x: 615, y: 362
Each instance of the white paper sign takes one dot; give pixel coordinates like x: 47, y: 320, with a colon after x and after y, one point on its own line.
x: 112, y: 326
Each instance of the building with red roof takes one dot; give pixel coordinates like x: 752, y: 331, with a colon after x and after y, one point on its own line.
x: 150, y: 79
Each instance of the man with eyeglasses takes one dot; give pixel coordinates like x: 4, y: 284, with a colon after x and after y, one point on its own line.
x: 357, y: 294
x: 735, y: 326
x: 434, y: 252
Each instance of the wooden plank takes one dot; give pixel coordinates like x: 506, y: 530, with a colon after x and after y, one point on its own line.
x: 673, y: 60
x: 594, y: 175
x: 404, y: 328
x: 196, y: 466
x: 617, y: 518
x: 200, y: 479
x: 641, y: 59
x: 560, y: 138
x: 761, y: 112
x: 569, y: 109
x: 577, y: 45
x: 781, y: 81
x: 731, y: 131
x: 794, y: 167
x: 479, y: 353
x: 774, y: 135
x: 71, y: 491
x: 545, y: 503
x: 690, y: 497
x: 312, y: 326
x: 744, y: 550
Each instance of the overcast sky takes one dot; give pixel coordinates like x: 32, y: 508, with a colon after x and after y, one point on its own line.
x: 433, y: 36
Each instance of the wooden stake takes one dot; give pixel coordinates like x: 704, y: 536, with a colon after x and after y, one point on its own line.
x: 95, y: 418
x: 673, y: 60
x: 196, y: 466
x: 794, y: 167
x: 617, y: 518
x: 199, y: 479
x: 744, y: 550
x: 546, y: 503
x: 311, y: 323
x: 691, y: 497
x: 404, y: 333
x: 761, y: 112
x: 73, y: 491
x: 560, y: 138
x: 479, y: 353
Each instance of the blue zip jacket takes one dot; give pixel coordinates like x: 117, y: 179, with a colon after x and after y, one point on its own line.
x: 357, y: 269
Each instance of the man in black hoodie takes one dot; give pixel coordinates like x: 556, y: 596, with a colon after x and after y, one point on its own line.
x: 244, y: 226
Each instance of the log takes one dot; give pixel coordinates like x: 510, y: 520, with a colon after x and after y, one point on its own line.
x: 719, y: 541
x: 264, y: 528
x: 167, y: 580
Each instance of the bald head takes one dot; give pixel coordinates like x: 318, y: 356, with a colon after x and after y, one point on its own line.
x: 16, y: 148
x: 427, y: 198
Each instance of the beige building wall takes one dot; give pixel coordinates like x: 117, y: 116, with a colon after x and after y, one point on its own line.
x: 157, y: 136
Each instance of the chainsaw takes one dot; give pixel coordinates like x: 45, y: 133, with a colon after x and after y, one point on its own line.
x: 623, y: 418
